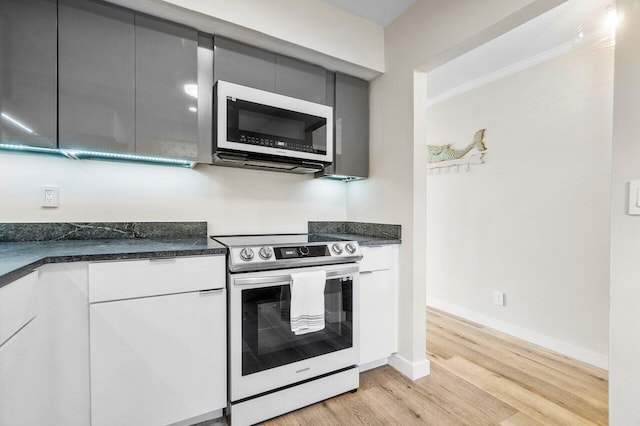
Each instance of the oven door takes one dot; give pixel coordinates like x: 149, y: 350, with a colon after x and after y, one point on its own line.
x: 252, y: 120
x: 265, y: 354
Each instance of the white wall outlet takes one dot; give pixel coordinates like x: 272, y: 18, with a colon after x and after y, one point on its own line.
x: 498, y: 298
x: 49, y: 196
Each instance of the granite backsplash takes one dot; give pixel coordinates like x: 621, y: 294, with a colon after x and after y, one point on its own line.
x: 360, y: 228
x: 59, y: 231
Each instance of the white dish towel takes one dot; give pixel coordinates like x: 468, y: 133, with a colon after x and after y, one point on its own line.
x: 307, y: 301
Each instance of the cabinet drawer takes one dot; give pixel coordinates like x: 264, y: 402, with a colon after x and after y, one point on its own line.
x: 377, y: 258
x: 154, y: 277
x: 18, y: 305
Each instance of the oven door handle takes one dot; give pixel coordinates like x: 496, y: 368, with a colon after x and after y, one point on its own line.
x: 286, y: 279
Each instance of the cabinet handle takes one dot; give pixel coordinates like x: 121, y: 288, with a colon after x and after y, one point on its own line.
x: 338, y: 140
x: 212, y: 291
x: 163, y: 260
x: 366, y: 272
x: 286, y: 279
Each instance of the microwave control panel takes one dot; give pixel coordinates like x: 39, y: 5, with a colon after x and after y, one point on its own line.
x: 292, y: 145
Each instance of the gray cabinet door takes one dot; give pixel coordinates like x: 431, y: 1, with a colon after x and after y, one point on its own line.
x: 205, y: 98
x: 96, y: 65
x: 301, y: 80
x: 28, y: 72
x: 243, y: 64
x: 166, y: 88
x: 351, y: 127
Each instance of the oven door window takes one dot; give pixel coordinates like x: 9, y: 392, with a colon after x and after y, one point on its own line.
x: 267, y: 339
x: 262, y: 125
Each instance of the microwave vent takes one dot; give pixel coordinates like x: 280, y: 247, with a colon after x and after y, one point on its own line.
x: 271, y: 163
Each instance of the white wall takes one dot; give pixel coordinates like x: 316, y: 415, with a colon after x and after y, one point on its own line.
x: 230, y: 200
x: 624, y: 360
x: 533, y: 221
x: 311, y: 23
x: 312, y: 30
x: 426, y: 33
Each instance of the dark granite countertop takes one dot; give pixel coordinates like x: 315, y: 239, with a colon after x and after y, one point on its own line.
x: 24, y: 247
x: 19, y: 258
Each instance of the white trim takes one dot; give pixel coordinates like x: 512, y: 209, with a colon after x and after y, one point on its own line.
x: 503, y: 72
x: 412, y: 370
x: 217, y: 414
x: 551, y: 343
x: 373, y: 364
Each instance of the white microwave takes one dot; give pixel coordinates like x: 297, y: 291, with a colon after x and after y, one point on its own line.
x: 266, y: 125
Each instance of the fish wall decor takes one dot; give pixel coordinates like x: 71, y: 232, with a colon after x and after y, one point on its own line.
x: 444, y: 159
x: 440, y: 153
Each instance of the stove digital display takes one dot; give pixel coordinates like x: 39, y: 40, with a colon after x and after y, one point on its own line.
x: 301, y: 251
x: 287, y: 253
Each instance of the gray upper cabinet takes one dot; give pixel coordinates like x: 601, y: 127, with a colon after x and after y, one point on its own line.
x: 128, y: 82
x: 243, y: 64
x: 28, y: 48
x: 253, y: 67
x: 96, y: 62
x: 166, y: 78
x: 301, y: 80
x: 351, y: 127
x: 205, y: 97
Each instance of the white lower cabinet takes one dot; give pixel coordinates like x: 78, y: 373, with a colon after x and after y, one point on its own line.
x: 22, y: 379
x: 378, y: 305
x: 18, y: 305
x: 138, y: 342
x: 64, y: 321
x: 158, y: 360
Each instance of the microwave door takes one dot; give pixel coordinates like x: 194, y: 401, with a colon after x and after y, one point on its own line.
x: 254, y: 121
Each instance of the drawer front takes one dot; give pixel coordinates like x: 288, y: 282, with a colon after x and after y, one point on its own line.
x: 154, y: 277
x: 158, y: 360
x: 18, y: 305
x: 377, y: 258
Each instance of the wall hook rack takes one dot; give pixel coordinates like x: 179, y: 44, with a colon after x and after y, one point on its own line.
x: 455, y: 166
x: 443, y: 158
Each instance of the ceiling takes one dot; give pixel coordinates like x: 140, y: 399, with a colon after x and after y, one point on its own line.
x: 549, y: 35
x: 380, y: 12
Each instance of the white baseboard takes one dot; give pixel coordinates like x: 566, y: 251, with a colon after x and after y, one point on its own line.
x: 217, y: 414
x: 412, y: 370
x: 373, y: 364
x: 560, y: 346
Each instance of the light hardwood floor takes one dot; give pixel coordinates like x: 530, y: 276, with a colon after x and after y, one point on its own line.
x: 479, y: 376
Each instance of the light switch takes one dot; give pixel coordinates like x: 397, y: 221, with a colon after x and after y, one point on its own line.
x: 634, y: 197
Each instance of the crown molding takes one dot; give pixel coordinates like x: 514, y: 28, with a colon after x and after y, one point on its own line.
x: 503, y: 72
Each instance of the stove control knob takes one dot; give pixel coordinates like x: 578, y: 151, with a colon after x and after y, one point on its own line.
x: 304, y: 250
x: 336, y: 248
x: 350, y: 247
x: 265, y: 253
x: 246, y: 254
